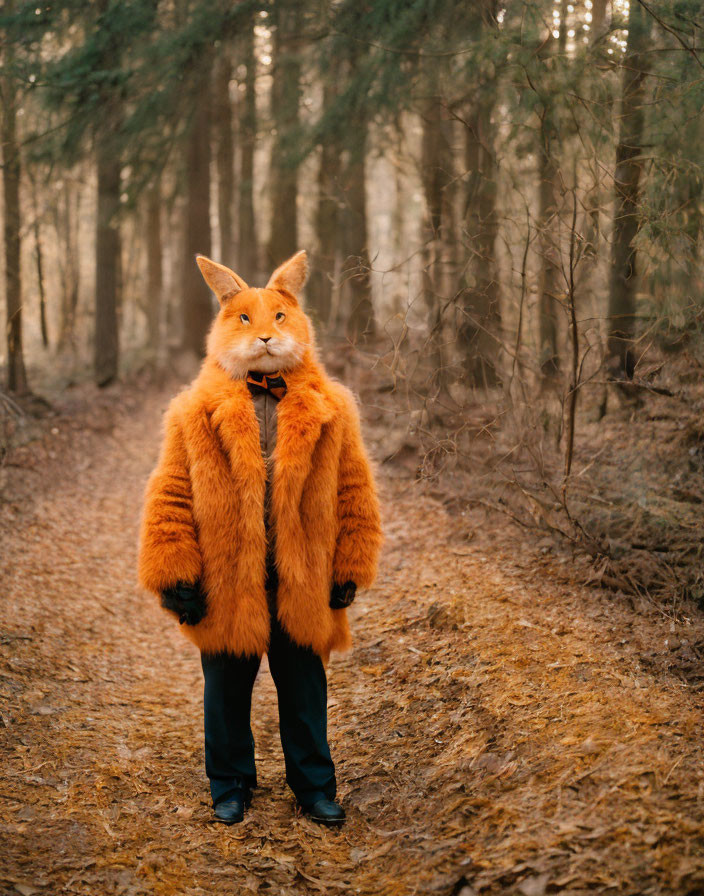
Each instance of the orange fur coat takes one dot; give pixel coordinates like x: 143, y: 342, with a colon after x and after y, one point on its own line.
x: 203, y: 509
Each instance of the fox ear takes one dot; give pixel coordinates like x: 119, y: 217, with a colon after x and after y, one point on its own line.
x: 223, y: 282
x: 291, y: 275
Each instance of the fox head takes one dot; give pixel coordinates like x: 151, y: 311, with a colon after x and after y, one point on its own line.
x: 258, y: 329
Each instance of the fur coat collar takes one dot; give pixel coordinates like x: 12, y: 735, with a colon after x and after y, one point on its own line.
x: 310, y: 401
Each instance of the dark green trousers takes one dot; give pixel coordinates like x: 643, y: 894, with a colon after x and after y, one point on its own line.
x: 301, y: 686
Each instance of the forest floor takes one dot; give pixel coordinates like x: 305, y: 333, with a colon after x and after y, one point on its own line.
x: 497, y: 728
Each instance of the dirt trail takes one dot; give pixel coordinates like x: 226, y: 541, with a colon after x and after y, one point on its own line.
x: 493, y: 730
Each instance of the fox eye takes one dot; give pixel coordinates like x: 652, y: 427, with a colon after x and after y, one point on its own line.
x: 280, y: 315
x: 244, y: 318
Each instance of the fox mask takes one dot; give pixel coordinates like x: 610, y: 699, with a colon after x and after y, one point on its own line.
x: 258, y: 329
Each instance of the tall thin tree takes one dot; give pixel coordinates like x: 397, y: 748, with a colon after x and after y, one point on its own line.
x: 108, y: 268
x: 11, y: 172
x: 437, y: 176
x: 480, y: 323
x: 327, y: 214
x: 223, y: 119
x: 155, y: 274
x: 195, y: 298
x: 629, y: 166
x: 356, y: 293
x: 247, y: 242
x: 285, y: 100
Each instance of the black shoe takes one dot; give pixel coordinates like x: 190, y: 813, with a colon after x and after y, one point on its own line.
x: 231, y: 810
x: 326, y: 812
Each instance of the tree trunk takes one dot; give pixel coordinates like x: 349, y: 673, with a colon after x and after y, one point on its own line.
x: 283, y: 169
x: 480, y: 327
x: 155, y: 274
x: 39, y: 262
x: 196, y: 303
x: 549, y: 279
x: 598, y: 20
x: 107, y: 265
x: 327, y: 217
x: 66, y: 224
x: 16, y: 374
x: 356, y: 299
x: 225, y: 159
x: 248, y: 247
x: 622, y: 282
x: 173, y: 241
x: 548, y: 229
x: 693, y: 229
x: 437, y: 173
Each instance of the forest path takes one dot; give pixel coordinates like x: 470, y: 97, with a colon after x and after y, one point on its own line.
x: 493, y: 731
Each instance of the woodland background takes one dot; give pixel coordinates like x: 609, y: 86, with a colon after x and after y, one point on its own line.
x: 502, y: 203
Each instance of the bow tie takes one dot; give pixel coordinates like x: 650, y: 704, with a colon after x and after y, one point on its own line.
x: 273, y: 383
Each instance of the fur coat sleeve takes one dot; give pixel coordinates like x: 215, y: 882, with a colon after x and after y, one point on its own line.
x: 168, y: 543
x: 359, y: 535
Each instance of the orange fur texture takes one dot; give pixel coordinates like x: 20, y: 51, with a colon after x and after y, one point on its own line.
x: 203, y: 506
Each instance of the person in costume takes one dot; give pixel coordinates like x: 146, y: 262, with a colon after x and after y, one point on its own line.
x: 260, y: 522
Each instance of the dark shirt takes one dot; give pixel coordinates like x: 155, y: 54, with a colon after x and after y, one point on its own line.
x: 265, y: 407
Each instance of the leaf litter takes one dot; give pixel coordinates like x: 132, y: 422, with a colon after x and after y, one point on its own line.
x: 497, y: 728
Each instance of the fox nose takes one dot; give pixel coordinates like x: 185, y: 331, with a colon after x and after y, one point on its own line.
x: 265, y: 338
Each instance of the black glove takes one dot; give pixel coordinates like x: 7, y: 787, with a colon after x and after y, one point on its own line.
x: 186, y: 600
x: 342, y: 595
